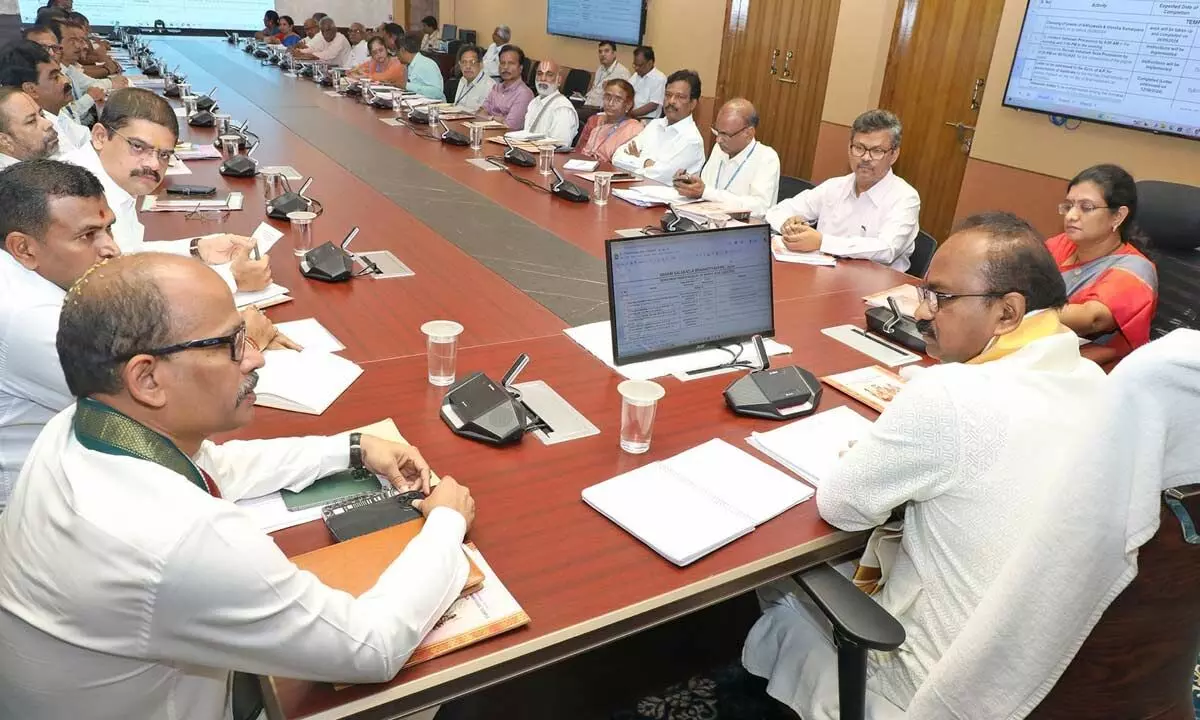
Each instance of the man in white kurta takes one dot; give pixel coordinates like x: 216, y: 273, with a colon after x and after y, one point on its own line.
x: 551, y: 114
x: 671, y: 143
x: 126, y: 567
x: 334, y: 48
x: 501, y: 36
x: 870, y: 214
x: 967, y: 449
x: 741, y: 173
x: 359, y: 51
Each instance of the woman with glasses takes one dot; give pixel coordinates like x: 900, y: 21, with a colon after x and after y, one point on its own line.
x: 1112, y: 287
x: 606, y: 131
x: 381, y: 67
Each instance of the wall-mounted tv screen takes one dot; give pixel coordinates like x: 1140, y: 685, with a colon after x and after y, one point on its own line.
x: 621, y: 21
x: 1133, y: 63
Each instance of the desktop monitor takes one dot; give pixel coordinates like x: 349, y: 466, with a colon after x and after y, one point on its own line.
x: 449, y: 32
x: 680, y: 292
x: 467, y: 36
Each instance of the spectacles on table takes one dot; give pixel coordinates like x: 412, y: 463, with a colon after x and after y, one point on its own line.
x: 1085, y: 207
x: 235, y: 340
x: 207, y: 213
x: 140, y: 148
x: 934, y: 298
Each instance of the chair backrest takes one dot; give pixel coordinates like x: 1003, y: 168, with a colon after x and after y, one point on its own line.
x: 791, y: 187
x: 1139, y: 659
x: 578, y: 81
x: 450, y: 86
x: 922, y: 255
x: 529, y: 72
x: 1169, y: 213
x: 1178, y: 289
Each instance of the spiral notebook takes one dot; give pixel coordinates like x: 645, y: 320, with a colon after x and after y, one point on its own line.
x: 689, y: 505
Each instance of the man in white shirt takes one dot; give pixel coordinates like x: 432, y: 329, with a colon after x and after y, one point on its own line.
x: 130, y: 149
x: 312, y: 40
x: 869, y: 214
x: 429, y: 26
x: 127, y: 566
x: 671, y: 143
x: 29, y: 66
x: 25, y: 134
x: 64, y: 228
x: 501, y: 36
x: 359, y: 51
x: 649, y: 84
x: 967, y: 449
x: 335, y: 49
x: 73, y: 38
x: 741, y: 172
x: 550, y: 113
x: 609, y: 69
x: 475, y: 85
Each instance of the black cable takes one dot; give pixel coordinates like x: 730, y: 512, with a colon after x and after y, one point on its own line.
x: 413, y: 129
x: 499, y: 162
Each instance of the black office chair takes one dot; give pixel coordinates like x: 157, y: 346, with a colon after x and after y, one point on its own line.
x: 578, y: 81
x: 1169, y: 215
x: 450, y: 85
x: 529, y: 72
x: 922, y: 255
x: 790, y: 187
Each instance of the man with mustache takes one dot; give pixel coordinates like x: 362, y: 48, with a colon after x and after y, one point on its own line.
x: 32, y: 65
x: 870, y: 214
x: 671, y: 143
x: 127, y: 566
x: 741, y: 172
x: 509, y: 99
x: 57, y: 225
x: 24, y: 133
x: 130, y: 149
x: 966, y: 450
x: 551, y: 114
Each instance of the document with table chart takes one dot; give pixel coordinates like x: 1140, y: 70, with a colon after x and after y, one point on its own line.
x: 671, y: 294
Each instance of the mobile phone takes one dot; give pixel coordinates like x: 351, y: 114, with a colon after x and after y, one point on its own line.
x: 191, y: 190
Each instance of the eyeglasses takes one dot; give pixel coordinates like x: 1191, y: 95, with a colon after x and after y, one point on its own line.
x: 718, y: 134
x: 142, y: 149
x: 207, y: 213
x: 235, y: 340
x: 933, y: 298
x: 876, y: 153
x: 1085, y: 207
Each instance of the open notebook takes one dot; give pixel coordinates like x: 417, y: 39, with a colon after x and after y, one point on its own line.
x: 691, y: 504
x: 307, y: 381
x: 812, y: 447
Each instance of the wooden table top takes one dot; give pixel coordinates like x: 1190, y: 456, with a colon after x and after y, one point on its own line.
x: 582, y: 580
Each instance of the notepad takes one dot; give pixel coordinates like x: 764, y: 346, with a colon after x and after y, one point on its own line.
x: 689, y: 505
x: 812, y: 447
x: 305, y: 381
x: 783, y: 254
x: 273, y: 294
x: 310, y: 334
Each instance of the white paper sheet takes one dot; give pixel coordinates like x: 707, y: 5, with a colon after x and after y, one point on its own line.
x: 782, y: 254
x: 311, y: 335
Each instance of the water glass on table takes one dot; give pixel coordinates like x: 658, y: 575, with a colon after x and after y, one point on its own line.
x: 601, y: 187
x: 301, y: 221
x: 476, y: 137
x: 545, y: 159
x: 441, y: 346
x: 639, y: 400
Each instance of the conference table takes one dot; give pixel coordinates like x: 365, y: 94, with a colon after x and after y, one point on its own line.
x: 516, y: 267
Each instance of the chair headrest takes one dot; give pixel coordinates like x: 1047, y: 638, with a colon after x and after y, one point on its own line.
x: 1169, y: 213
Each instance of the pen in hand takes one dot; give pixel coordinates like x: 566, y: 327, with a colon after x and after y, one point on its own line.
x: 254, y: 253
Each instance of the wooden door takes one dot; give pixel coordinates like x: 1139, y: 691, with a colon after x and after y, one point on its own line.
x: 937, y: 66
x: 776, y: 54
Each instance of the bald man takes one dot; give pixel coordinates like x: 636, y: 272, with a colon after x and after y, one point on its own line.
x: 359, y: 52
x: 335, y: 48
x: 312, y: 41
x: 550, y: 113
x: 741, y: 172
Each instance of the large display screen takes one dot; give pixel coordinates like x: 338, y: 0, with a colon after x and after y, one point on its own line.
x: 621, y: 21
x: 1134, y: 63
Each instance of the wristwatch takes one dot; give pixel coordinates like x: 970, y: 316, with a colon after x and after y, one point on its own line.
x: 194, y: 248
x: 356, y: 459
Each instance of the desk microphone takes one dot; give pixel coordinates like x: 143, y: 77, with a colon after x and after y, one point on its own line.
x: 290, y: 202
x: 516, y: 156
x: 248, y: 139
x: 202, y: 118
x: 329, y: 262
x: 566, y: 189
x: 414, y: 114
x: 241, y: 165
x: 453, y: 137
x: 672, y: 222
x: 206, y: 102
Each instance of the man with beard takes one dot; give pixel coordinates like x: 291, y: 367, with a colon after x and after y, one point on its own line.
x: 670, y: 143
x: 870, y: 214
x: 551, y: 114
x: 24, y: 133
x: 31, y: 66
x: 127, y: 566
x: 966, y: 450
x: 130, y: 149
x: 56, y: 226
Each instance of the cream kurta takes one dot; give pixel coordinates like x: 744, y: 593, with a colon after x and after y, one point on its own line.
x: 969, y: 450
x: 128, y: 592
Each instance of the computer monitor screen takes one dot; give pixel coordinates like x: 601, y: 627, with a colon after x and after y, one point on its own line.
x: 680, y: 292
x: 467, y: 36
x: 449, y: 32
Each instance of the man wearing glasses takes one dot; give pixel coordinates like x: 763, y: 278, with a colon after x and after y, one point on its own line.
x: 475, y: 85
x: 741, y: 173
x: 869, y: 214
x: 131, y: 147
x: 966, y: 450
x: 127, y: 566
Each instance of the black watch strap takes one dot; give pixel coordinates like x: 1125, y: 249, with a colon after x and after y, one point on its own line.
x: 356, y: 459
x: 194, y: 247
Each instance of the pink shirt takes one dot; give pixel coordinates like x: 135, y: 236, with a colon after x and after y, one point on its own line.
x: 509, y: 101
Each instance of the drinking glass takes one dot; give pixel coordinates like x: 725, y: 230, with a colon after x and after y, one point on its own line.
x: 601, y: 187
x: 230, y: 144
x: 441, y: 345
x: 301, y: 231
x: 639, y: 400
x: 545, y: 164
x: 476, y: 137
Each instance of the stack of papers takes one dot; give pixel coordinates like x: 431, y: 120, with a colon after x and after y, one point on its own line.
x: 689, y: 505
x: 524, y: 135
x: 581, y: 165
x: 812, y: 447
x: 906, y: 297
x: 273, y: 294
x: 177, y: 167
x: 306, y: 382
x: 651, y: 195
x: 311, y: 335
x: 188, y: 151
x: 153, y: 203
x: 782, y: 254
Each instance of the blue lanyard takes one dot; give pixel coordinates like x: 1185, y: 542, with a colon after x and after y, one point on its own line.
x: 735, y: 172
